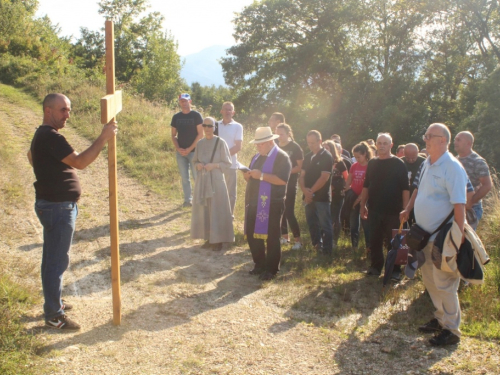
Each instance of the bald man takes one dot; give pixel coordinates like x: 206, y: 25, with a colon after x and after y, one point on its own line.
x: 477, y: 171
x: 386, y: 191
x: 57, y: 190
x: 441, y: 190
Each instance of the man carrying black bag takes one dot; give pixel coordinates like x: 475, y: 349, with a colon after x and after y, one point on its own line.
x: 442, y: 189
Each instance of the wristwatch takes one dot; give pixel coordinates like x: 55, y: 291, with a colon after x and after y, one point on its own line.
x: 261, y: 176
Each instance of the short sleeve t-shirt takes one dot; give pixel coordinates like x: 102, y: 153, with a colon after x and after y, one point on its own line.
x: 294, y: 152
x: 186, y: 125
x: 386, y: 179
x: 314, y: 166
x: 55, y: 180
x: 358, y: 172
x: 476, y: 168
x: 442, y: 185
x: 281, y: 168
x: 231, y: 133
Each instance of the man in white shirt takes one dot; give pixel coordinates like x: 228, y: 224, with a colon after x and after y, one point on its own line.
x: 231, y: 132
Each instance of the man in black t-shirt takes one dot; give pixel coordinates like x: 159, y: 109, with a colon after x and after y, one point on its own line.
x: 315, y: 182
x: 387, y: 192
x: 187, y: 130
x: 57, y: 190
x: 264, y: 202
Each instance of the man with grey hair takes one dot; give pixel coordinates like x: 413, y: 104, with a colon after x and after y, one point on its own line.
x: 441, y: 190
x: 386, y: 191
x: 477, y: 171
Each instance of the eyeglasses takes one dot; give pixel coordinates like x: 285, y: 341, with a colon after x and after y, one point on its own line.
x: 208, y: 126
x: 428, y: 137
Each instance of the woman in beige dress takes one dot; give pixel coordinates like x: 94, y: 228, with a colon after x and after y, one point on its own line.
x: 211, y: 218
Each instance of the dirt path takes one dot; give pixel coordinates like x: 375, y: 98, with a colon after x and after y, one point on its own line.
x: 187, y: 310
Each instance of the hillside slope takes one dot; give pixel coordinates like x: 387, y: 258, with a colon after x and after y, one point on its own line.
x: 187, y: 310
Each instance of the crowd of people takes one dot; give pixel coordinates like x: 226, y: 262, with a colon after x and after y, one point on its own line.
x: 372, y: 189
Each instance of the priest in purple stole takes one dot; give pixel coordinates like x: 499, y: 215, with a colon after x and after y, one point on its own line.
x: 264, y: 203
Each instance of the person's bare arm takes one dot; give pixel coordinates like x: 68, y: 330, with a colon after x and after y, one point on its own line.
x: 298, y: 167
x: 82, y: 160
x: 199, y: 136
x: 406, y: 197
x: 480, y: 193
x: 363, y: 211
x: 175, y: 141
x: 348, y: 182
x: 308, y: 195
x: 405, y: 214
x: 459, y: 212
x: 236, y: 148
x: 30, y: 159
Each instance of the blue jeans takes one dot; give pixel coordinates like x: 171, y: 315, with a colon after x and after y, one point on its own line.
x: 337, y: 203
x: 58, y: 221
x: 355, y: 219
x: 478, y: 209
x: 319, y: 220
x: 184, y: 163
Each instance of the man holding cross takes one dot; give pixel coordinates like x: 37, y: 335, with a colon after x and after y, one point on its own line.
x: 187, y: 130
x: 57, y: 191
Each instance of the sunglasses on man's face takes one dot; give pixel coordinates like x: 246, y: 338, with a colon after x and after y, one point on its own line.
x: 208, y: 126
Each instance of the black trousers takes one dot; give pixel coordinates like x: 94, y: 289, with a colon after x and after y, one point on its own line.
x: 270, y: 261
x: 381, y: 226
x: 289, y: 215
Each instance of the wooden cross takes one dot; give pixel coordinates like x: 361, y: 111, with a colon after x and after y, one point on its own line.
x: 111, y: 104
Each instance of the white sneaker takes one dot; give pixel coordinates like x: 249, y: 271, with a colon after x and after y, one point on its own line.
x: 297, y: 246
x: 284, y: 241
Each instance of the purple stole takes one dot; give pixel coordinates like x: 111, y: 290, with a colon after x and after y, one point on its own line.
x: 264, y: 200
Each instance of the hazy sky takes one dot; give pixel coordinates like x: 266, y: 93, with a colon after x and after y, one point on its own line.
x: 194, y: 24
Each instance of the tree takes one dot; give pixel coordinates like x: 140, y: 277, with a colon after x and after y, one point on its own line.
x: 145, y: 55
x: 159, y: 77
x: 89, y: 50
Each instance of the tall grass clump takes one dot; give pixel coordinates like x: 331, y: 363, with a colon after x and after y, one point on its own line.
x: 481, y: 303
x: 17, y: 348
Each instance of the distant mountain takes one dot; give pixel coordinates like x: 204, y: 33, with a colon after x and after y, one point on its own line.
x: 203, y: 66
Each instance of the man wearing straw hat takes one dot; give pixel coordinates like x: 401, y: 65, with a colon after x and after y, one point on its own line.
x: 264, y: 202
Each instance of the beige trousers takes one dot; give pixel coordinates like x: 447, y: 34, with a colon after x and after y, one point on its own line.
x: 443, y: 289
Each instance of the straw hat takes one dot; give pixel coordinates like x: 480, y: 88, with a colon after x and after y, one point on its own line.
x: 264, y: 134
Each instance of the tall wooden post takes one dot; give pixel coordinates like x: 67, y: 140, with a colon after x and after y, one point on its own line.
x: 111, y: 104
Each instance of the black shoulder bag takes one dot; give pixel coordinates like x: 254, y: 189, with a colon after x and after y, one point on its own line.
x: 417, y: 238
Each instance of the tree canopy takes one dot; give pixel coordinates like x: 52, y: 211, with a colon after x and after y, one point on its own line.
x: 359, y: 67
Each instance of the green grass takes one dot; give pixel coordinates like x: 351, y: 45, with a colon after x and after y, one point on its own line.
x: 17, y: 348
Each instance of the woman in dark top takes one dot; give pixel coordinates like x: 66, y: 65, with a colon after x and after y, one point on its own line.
x: 339, y: 176
x: 287, y: 144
